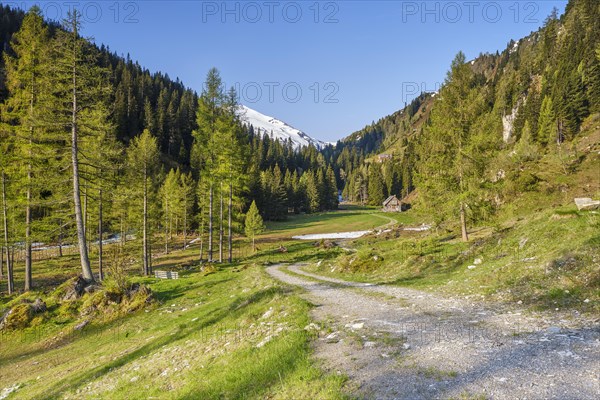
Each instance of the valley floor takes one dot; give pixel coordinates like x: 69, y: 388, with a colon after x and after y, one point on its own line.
x: 292, y: 321
x: 400, y: 343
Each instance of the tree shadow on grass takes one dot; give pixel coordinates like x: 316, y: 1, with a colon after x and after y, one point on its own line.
x: 163, y: 295
x: 257, y: 297
x: 257, y: 373
x: 171, y: 290
x: 183, y: 331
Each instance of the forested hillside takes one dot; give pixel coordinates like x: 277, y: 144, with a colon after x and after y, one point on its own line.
x: 94, y: 145
x: 502, y: 125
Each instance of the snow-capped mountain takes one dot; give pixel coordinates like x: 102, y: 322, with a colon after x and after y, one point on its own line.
x: 264, y: 124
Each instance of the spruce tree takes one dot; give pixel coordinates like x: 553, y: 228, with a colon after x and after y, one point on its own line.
x: 376, y: 186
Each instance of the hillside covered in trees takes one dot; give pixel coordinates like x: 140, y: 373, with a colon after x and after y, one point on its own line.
x: 93, y: 146
x: 502, y: 125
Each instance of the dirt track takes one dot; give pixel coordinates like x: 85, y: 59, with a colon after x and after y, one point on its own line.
x: 397, y: 343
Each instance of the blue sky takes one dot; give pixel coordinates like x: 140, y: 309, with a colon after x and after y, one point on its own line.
x: 328, y: 68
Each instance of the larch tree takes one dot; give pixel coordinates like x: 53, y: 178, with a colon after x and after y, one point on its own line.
x: 204, y: 150
x: 80, y: 87
x: 447, y: 167
x: 142, y: 163
x: 101, y: 157
x: 6, y: 158
x: 26, y: 111
x: 187, y: 199
x: 232, y: 162
x: 254, y: 224
x: 170, y: 194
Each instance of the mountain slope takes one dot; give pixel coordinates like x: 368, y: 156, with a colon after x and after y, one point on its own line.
x: 263, y: 124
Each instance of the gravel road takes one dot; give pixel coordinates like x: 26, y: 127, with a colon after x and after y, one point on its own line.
x: 398, y: 343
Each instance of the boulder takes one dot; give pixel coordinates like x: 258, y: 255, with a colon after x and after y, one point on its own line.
x: 586, y: 204
x: 75, y: 289
x: 38, y: 306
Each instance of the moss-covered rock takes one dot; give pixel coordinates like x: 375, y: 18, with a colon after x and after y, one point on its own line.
x: 18, y: 317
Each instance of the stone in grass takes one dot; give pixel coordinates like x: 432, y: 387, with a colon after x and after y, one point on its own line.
x: 268, y: 313
x: 587, y: 204
x: 311, y: 327
x: 21, y: 315
x: 38, y: 306
x: 333, y: 337
x: 81, y: 325
x: 477, y: 261
x: 471, y: 267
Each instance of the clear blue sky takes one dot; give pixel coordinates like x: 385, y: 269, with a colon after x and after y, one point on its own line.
x: 369, y: 56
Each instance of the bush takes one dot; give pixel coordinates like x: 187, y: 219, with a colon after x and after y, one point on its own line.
x: 117, y: 276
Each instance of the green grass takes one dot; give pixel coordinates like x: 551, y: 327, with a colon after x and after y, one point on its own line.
x: 347, y: 219
x: 548, y: 260
x: 199, y: 341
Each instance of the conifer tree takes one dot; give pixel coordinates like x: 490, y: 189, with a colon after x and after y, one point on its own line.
x: 332, y: 189
x: 80, y: 89
x: 254, y: 224
x: 547, y: 122
x: 170, y: 194
x: 205, y: 150
x: 376, y: 186
x: 26, y: 111
x: 187, y: 200
x: 142, y: 163
x: 446, y: 171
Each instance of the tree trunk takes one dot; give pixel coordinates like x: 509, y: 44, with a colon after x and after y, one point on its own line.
x: 221, y: 224
x: 463, y: 223
x: 60, y: 239
x: 167, y: 228
x: 145, y: 254
x: 28, y: 261
x: 122, y: 232
x: 202, y: 239
x: 185, y: 226
x: 229, y: 229
x: 83, y: 249
x: 85, y: 214
x: 100, y: 237
x: 9, y: 264
x: 210, y: 223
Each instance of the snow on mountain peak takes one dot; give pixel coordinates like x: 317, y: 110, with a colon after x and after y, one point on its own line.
x: 277, y: 129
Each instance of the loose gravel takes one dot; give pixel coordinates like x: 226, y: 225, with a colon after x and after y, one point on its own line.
x: 399, y: 343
